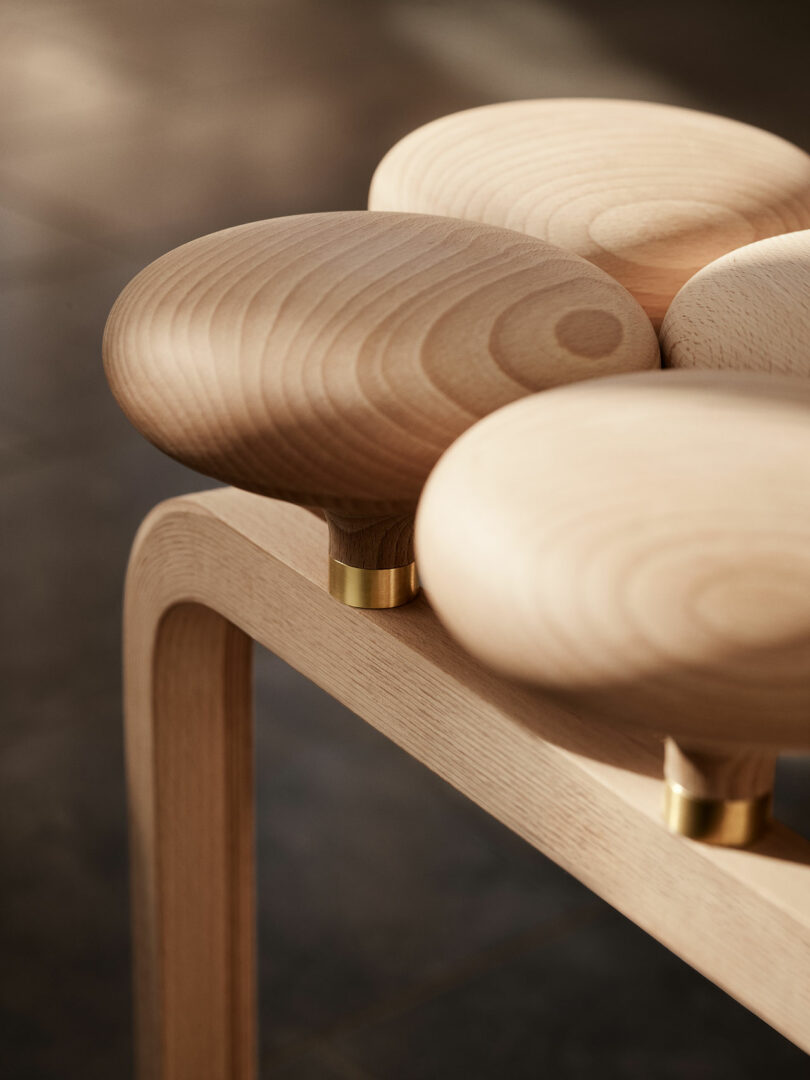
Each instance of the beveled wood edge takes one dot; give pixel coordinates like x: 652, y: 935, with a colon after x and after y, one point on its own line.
x: 591, y: 804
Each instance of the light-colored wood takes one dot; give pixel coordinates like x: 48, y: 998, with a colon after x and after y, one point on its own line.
x: 651, y: 193
x: 371, y: 541
x: 640, y: 545
x: 707, y: 774
x: 189, y: 765
x: 329, y: 359
x: 748, y: 311
x: 589, y: 801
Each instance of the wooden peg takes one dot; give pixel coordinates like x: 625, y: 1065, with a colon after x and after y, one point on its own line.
x: 748, y: 311
x: 641, y: 547
x: 650, y: 193
x: 329, y: 359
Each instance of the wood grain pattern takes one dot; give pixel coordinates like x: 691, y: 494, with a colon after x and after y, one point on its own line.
x: 188, y: 709
x: 708, y: 774
x: 640, y: 545
x: 587, y: 798
x: 329, y: 359
x: 748, y: 311
x: 650, y: 193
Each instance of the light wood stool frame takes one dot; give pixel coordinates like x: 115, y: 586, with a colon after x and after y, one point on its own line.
x: 209, y: 573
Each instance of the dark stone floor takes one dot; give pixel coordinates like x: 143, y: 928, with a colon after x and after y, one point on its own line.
x: 404, y: 935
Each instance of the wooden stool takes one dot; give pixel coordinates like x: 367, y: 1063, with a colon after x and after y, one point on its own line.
x: 329, y: 361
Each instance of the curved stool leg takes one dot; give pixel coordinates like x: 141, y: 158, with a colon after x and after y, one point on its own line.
x: 190, y: 778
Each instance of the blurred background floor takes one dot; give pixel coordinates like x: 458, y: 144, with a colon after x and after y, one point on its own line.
x: 403, y: 934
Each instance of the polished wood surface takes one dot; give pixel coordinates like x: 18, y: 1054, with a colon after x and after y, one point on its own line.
x: 640, y: 546
x: 748, y: 311
x: 587, y: 798
x: 651, y: 193
x: 329, y: 359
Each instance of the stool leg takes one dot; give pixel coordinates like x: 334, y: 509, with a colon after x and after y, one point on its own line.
x: 191, y: 804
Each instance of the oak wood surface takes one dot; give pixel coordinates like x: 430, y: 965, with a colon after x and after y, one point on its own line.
x: 188, y: 709
x: 650, y: 193
x: 747, y: 311
x: 640, y: 544
x: 329, y: 359
x: 589, y: 801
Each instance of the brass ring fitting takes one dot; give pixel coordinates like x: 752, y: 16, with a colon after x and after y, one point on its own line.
x: 730, y: 822
x: 362, y: 588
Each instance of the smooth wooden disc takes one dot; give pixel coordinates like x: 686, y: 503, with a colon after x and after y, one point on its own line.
x: 329, y: 359
x: 748, y: 311
x: 651, y: 193
x: 640, y: 545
